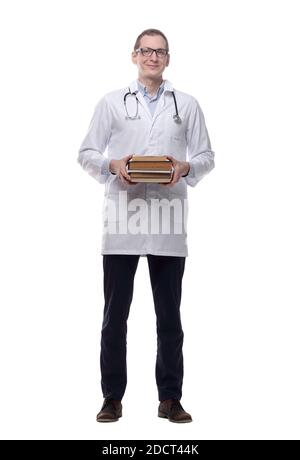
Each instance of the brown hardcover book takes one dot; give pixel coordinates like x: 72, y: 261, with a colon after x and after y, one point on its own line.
x: 150, y: 165
x: 149, y: 158
x: 150, y: 168
x: 148, y: 179
x: 151, y: 175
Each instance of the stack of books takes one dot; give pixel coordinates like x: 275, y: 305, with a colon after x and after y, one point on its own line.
x: 150, y: 168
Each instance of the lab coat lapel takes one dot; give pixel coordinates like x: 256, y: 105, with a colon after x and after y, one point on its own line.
x: 160, y: 106
x: 163, y: 102
x: 144, y: 104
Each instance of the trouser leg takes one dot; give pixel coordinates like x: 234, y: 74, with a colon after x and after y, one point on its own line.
x: 119, y: 272
x: 166, y: 273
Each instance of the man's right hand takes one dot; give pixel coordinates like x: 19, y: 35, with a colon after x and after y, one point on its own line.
x: 118, y: 167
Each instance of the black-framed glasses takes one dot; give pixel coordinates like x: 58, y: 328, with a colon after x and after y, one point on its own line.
x: 147, y: 52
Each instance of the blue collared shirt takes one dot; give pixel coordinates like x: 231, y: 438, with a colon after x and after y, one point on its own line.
x: 151, y: 100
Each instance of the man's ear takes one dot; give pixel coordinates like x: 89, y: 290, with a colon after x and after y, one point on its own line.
x: 133, y: 57
x: 168, y: 60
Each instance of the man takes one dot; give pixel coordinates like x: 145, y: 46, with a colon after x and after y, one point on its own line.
x: 148, y: 118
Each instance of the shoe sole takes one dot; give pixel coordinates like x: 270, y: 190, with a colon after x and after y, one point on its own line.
x: 161, y: 415
x: 108, y: 419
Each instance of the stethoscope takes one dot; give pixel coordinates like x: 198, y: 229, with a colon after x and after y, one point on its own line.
x: 176, y: 116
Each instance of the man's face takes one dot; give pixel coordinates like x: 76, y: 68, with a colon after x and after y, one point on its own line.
x: 151, y: 67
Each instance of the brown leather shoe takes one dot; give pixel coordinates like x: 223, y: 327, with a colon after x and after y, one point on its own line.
x: 173, y: 410
x: 110, y: 411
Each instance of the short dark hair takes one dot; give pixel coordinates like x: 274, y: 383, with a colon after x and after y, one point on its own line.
x: 151, y: 32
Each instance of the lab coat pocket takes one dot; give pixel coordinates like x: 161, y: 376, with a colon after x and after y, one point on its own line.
x: 175, y: 131
x: 175, y: 145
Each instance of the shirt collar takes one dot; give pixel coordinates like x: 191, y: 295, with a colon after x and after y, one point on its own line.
x: 134, y: 86
x: 144, y: 91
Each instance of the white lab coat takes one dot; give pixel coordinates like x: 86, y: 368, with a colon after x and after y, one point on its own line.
x: 157, y: 135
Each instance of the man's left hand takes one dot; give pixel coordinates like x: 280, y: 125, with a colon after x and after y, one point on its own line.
x: 181, y: 168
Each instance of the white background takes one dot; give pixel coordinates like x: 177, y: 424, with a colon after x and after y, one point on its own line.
x: 240, y: 304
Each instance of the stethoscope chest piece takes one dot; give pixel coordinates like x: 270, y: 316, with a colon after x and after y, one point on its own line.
x: 177, y: 119
x: 132, y: 118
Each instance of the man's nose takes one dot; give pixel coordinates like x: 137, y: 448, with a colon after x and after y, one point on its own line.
x: 153, y: 56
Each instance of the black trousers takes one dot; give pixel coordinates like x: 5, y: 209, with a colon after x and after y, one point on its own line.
x: 166, y: 273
